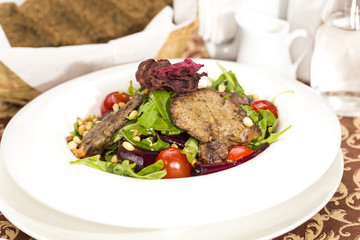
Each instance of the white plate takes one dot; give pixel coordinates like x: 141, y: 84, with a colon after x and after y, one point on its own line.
x: 36, y: 156
x: 44, y: 223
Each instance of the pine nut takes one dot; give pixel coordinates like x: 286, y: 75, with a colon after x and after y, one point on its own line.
x: 80, y: 122
x: 174, y: 145
x: 77, y: 140
x: 121, y: 104
x: 88, y: 126
x: 115, y: 107
x: 248, y: 122
x: 255, y: 97
x: 72, y: 145
x: 133, y: 114
x: 221, y: 88
x: 137, y: 138
x: 128, y: 146
x: 114, y: 159
x: 81, y: 130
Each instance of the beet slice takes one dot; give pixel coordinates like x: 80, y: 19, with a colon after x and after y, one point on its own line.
x: 140, y: 156
x: 207, y: 168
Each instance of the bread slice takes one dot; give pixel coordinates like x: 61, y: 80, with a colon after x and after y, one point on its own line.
x: 54, y: 17
x: 19, y: 30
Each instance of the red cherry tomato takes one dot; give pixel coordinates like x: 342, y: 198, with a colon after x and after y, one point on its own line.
x: 264, y: 104
x: 175, y: 163
x: 238, y: 152
x: 111, y: 98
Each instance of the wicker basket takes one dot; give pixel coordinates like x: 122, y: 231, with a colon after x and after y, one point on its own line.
x: 14, y: 90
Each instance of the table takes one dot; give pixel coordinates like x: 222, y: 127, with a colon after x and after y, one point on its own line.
x: 338, y: 220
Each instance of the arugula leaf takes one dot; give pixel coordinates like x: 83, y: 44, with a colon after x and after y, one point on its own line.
x: 161, y: 125
x: 132, y: 90
x: 155, y: 167
x: 95, y: 162
x: 215, y: 83
x: 272, y: 138
x: 123, y: 168
x: 148, y: 115
x: 75, y: 132
x: 111, y: 151
x: 267, y: 122
x: 272, y: 121
x: 230, y: 81
x: 148, y: 142
x: 191, y: 149
x: 161, y: 99
x: 250, y: 112
x: 155, y: 113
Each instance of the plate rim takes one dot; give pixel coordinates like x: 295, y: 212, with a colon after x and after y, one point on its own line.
x: 282, y: 230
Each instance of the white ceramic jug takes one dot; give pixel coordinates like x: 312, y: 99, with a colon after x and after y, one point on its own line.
x: 265, y: 41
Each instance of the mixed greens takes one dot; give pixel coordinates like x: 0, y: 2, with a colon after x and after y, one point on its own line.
x: 153, y: 120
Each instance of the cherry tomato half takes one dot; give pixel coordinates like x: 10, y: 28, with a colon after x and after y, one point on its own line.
x: 175, y: 163
x: 264, y: 104
x: 111, y: 98
x: 238, y: 152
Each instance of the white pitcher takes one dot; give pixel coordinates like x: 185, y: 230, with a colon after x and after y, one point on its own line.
x: 266, y: 41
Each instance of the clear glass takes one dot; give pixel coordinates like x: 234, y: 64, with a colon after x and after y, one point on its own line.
x: 335, y: 65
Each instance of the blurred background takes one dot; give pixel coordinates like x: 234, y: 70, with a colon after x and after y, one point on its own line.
x: 46, y: 42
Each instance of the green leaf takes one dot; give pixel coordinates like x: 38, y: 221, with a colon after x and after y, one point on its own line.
x: 147, y: 141
x: 161, y: 125
x: 132, y: 90
x: 111, y: 151
x: 95, y: 162
x: 157, y: 166
x: 263, y: 124
x: 215, y: 84
x: 250, y: 112
x: 271, y: 119
x: 273, y: 137
x: 127, y: 169
x: 148, y: 115
x: 123, y: 168
x: 231, y: 81
x: 155, y: 113
x: 191, y: 149
x: 75, y: 132
x: 117, y: 136
x: 161, y: 99
x: 273, y: 100
x: 173, y: 130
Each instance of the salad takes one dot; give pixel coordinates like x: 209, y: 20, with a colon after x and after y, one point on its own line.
x: 171, y: 127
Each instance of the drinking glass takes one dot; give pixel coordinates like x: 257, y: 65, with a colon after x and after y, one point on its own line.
x: 335, y: 64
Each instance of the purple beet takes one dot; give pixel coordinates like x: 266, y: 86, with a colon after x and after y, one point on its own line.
x: 179, y: 139
x: 207, y: 168
x: 141, y: 157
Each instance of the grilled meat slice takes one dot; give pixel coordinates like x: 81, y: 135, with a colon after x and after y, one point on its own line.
x: 99, y: 137
x: 213, y: 152
x: 236, y: 98
x: 208, y: 116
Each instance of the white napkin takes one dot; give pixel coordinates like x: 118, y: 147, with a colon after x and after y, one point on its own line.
x: 44, y: 68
